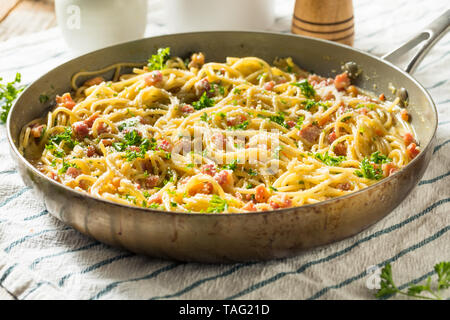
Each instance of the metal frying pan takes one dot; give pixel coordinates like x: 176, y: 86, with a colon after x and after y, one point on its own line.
x: 254, y: 235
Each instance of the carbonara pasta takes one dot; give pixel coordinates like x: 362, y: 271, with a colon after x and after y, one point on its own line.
x: 239, y: 136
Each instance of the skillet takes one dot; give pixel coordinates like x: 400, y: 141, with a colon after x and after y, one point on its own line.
x: 251, y: 236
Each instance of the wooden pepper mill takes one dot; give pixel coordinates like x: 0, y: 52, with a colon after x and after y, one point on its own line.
x: 325, y: 19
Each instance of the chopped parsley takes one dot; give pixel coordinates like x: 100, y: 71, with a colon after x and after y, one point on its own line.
x: 203, y: 102
x: 217, y: 205
x: 231, y: 166
x: 158, y: 61
x: 309, y: 104
x: 306, y: 88
x: 204, y: 117
x: 378, y: 158
x: 368, y: 171
x: 241, y: 126
x: 300, y: 122
x: 279, y: 119
x: 329, y: 160
x: 65, y: 136
x: 43, y: 98
x: 9, y: 93
x: 273, y: 188
x: 65, y: 166
x: 252, y: 172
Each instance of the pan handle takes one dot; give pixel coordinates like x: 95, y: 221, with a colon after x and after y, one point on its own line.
x: 426, y: 39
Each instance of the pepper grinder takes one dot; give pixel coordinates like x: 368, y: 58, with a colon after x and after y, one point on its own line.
x: 325, y: 19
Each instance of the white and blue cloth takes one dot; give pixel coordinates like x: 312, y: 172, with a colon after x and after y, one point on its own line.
x: 41, y: 258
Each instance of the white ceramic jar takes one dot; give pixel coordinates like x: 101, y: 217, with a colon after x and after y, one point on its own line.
x: 88, y: 25
x: 202, y: 15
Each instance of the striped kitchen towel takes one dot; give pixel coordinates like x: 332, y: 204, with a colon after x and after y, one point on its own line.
x: 41, y: 258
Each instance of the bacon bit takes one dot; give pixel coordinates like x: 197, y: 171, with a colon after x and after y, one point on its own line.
x: 90, y: 121
x: 116, y: 182
x: 404, y: 115
x: 278, y: 203
x: 315, y: 79
x: 187, y: 108
x: 341, y: 81
x: 143, y: 120
x: 91, y: 151
x: 153, y: 78
x: 269, y: 85
x: 344, y: 186
x: 340, y: 149
x: 331, y: 137
x: 106, y: 142
x: 204, y: 187
x: 80, y: 129
x: 412, y: 150
x: 36, y: 130
x: 197, y: 60
x: 224, y: 178
x: 133, y: 148
x: 379, y: 132
x: 150, y: 182
x: 235, y: 120
x: 219, y: 140
x: 323, y: 121
x: 261, y: 194
x: 382, y: 97
x: 209, y: 169
x: 73, y: 172
x: 290, y: 123
x: 65, y: 101
x: 102, y: 128
x: 84, y: 184
x: 203, y: 86
x: 408, y: 138
x: 310, y: 133
x: 53, y: 176
x: 389, y: 168
x: 164, y: 145
x: 93, y: 81
x: 363, y: 111
x: 250, y: 206
x: 352, y: 90
x: 156, y: 198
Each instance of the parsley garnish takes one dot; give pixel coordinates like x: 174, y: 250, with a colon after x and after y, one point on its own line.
x: 273, y: 188
x: 217, y: 205
x: 252, y: 172
x: 241, y: 126
x: 43, y: 98
x: 231, y: 166
x: 300, y: 122
x: 203, y: 102
x: 329, y: 160
x: 66, y: 136
x: 158, y: 61
x: 306, y: 88
x: 389, y: 288
x: 9, y: 93
x: 65, y: 166
x: 368, y: 171
x: 204, y: 117
x: 378, y: 158
x: 279, y: 119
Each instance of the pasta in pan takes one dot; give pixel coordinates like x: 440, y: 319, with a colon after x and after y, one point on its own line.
x: 238, y: 136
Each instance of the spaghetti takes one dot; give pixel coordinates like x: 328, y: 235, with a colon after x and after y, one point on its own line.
x: 214, y: 137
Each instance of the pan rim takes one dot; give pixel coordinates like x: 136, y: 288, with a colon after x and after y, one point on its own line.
x: 250, y: 213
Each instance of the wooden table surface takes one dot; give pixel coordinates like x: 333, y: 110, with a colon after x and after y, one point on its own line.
x: 19, y: 17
